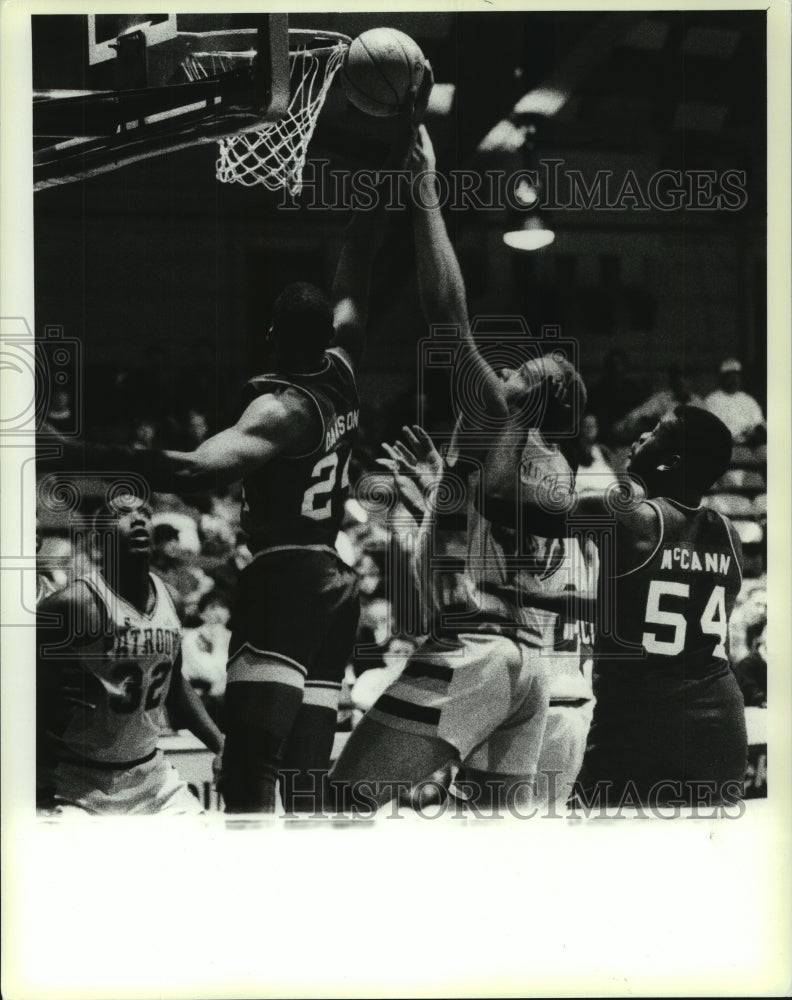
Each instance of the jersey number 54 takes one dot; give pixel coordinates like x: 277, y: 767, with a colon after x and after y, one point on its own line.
x: 665, y: 595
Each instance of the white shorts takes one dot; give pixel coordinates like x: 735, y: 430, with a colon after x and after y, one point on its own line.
x: 485, y: 694
x: 563, y: 747
x: 153, y: 787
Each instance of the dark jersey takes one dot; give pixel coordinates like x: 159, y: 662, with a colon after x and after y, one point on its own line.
x: 299, y: 500
x: 666, y: 622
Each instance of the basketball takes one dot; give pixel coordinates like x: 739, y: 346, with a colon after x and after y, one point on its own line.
x: 380, y: 67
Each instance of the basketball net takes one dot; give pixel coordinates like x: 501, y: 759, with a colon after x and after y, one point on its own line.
x: 274, y: 154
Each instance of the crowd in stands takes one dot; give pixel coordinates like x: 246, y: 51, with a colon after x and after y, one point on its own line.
x: 200, y: 549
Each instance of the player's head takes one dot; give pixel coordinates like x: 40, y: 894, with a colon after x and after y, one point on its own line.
x: 730, y: 375
x: 552, y: 415
x: 127, y: 520
x: 589, y: 428
x: 302, y: 326
x: 687, y: 451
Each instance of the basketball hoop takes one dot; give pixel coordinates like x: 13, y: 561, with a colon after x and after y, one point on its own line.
x: 274, y: 153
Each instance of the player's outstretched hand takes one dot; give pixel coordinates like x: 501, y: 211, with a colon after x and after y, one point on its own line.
x: 416, y: 458
x: 409, y: 118
x: 409, y: 491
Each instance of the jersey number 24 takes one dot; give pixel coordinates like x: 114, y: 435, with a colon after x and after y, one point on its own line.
x: 323, y: 480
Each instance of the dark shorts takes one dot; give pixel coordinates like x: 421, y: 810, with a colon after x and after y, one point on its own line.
x: 298, y: 606
x: 694, y: 737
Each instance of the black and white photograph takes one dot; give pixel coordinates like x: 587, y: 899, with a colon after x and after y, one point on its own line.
x: 395, y: 443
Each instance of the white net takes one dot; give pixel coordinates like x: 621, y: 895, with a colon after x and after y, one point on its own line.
x: 273, y: 154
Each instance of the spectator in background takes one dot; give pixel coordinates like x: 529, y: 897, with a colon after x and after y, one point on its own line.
x: 226, y: 574
x: 48, y: 581
x: 750, y: 609
x: 595, y: 465
x: 374, y: 629
x: 174, y: 563
x: 369, y: 576
x: 739, y: 411
x: 205, y: 653
x: 186, y: 541
x: 60, y: 411
x: 616, y: 393
x: 644, y: 417
x: 196, y: 429
x: 751, y: 671
x: 144, y: 434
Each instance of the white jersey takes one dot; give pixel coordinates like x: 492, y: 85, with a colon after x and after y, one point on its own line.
x: 573, y: 638
x: 500, y: 579
x: 124, y: 676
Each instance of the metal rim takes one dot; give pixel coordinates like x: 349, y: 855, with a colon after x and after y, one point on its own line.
x: 240, y: 41
x: 310, y: 38
x: 319, y: 42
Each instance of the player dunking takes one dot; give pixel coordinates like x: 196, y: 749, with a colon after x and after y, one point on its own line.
x: 297, y: 608
x: 105, y: 670
x: 668, y: 722
x: 477, y: 691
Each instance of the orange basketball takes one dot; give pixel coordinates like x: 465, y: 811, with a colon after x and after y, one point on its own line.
x: 379, y: 68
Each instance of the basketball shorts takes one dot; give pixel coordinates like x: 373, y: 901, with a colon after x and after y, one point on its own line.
x: 662, y: 750
x: 485, y: 694
x: 151, y: 787
x: 297, y: 606
x: 563, y: 748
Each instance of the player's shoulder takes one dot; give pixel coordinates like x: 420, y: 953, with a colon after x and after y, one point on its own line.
x: 342, y: 360
x: 75, y: 595
x: 73, y: 610
x: 278, y: 405
x: 720, y: 521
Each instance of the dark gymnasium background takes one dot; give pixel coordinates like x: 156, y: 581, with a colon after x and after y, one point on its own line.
x: 166, y: 277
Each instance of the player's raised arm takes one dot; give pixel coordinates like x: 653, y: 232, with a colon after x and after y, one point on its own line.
x: 271, y: 425
x: 418, y: 470
x: 352, y: 286
x: 548, y: 507
x: 364, y: 235
x: 440, y: 283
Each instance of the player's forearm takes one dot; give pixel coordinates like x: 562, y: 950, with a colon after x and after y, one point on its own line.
x: 191, y: 714
x: 422, y: 570
x: 440, y: 284
x: 163, y: 471
x: 363, y: 238
x: 441, y: 289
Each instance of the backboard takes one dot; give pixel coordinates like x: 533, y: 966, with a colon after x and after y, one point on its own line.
x: 103, y: 31
x: 110, y: 89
